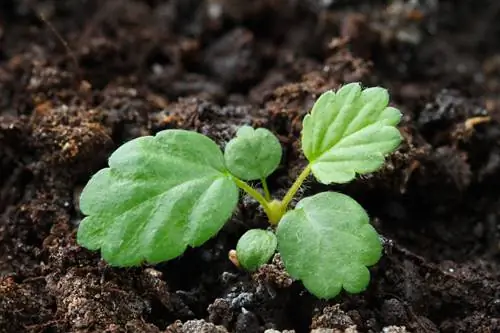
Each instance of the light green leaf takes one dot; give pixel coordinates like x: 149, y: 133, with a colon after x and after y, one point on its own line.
x: 327, y: 242
x: 255, y: 248
x: 159, y: 195
x: 253, y: 154
x: 349, y: 132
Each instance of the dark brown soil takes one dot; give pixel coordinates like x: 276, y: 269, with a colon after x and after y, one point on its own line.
x: 94, y: 74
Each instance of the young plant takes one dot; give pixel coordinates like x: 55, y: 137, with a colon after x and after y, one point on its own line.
x: 163, y: 193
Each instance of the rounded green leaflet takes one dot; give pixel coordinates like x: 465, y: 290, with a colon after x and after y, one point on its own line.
x: 159, y: 195
x: 327, y: 243
x: 349, y: 132
x: 253, y: 154
x: 255, y: 248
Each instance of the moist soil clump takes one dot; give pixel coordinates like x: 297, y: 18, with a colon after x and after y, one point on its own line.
x: 79, y: 78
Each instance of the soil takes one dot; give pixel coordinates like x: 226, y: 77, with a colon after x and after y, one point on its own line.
x: 79, y: 78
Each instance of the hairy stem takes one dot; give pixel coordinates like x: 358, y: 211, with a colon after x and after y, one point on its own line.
x: 295, y: 187
x: 274, y: 209
x: 254, y: 194
x: 267, y: 194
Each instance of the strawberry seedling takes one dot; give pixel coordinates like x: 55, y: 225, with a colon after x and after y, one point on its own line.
x: 163, y: 193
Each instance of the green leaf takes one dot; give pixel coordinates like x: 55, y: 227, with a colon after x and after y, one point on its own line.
x: 255, y: 248
x: 327, y: 242
x: 253, y: 154
x: 159, y: 195
x: 349, y: 132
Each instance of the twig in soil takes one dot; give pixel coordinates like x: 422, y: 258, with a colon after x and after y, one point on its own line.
x: 471, y: 122
x: 42, y: 327
x: 414, y: 165
x: 65, y: 44
x: 391, y: 245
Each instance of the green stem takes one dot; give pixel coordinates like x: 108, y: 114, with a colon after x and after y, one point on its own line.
x: 253, y: 193
x: 295, y: 187
x: 274, y: 209
x: 267, y: 194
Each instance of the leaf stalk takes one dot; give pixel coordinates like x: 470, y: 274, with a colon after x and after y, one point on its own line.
x: 267, y: 194
x: 254, y: 194
x: 274, y: 209
x: 295, y: 187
